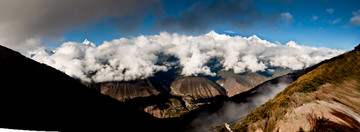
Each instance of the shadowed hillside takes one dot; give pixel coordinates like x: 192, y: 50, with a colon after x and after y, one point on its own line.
x: 34, y: 96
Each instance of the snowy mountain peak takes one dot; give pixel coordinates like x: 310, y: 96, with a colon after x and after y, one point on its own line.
x: 212, y: 33
x: 254, y: 37
x: 89, y: 43
x: 86, y: 42
x: 217, y: 36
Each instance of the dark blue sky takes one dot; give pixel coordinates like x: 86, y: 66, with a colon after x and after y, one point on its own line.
x: 325, y: 23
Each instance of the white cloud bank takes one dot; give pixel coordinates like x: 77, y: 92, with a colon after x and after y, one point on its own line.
x: 355, y: 20
x: 129, y: 59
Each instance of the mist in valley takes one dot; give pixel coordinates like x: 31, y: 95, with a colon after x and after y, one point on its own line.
x: 232, y: 112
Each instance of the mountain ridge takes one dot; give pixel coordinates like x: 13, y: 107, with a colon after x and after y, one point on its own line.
x: 334, y: 84
x: 193, y: 90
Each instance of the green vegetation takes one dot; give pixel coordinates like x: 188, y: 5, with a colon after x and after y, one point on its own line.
x: 335, y: 71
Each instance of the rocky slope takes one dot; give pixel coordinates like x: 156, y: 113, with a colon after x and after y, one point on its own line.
x: 163, y: 105
x: 126, y: 90
x: 183, y: 94
x: 238, y: 83
x: 179, y: 90
x: 324, y: 99
x: 197, y: 88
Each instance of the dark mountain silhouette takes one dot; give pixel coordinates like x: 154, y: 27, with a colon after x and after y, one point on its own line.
x: 34, y: 96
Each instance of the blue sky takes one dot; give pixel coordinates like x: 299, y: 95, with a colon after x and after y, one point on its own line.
x: 321, y: 23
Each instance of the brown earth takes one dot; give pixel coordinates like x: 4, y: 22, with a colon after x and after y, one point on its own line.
x: 325, y: 99
x: 236, y: 83
x: 197, y: 87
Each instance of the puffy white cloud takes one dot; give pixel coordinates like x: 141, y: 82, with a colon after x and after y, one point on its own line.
x: 287, y: 16
x: 229, y: 31
x: 335, y: 21
x: 314, y: 18
x: 330, y: 10
x: 355, y: 20
x: 129, y: 59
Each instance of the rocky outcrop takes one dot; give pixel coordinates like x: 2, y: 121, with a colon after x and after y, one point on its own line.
x: 197, y: 87
x: 238, y: 83
x: 127, y: 90
x: 192, y: 92
x: 173, y: 108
